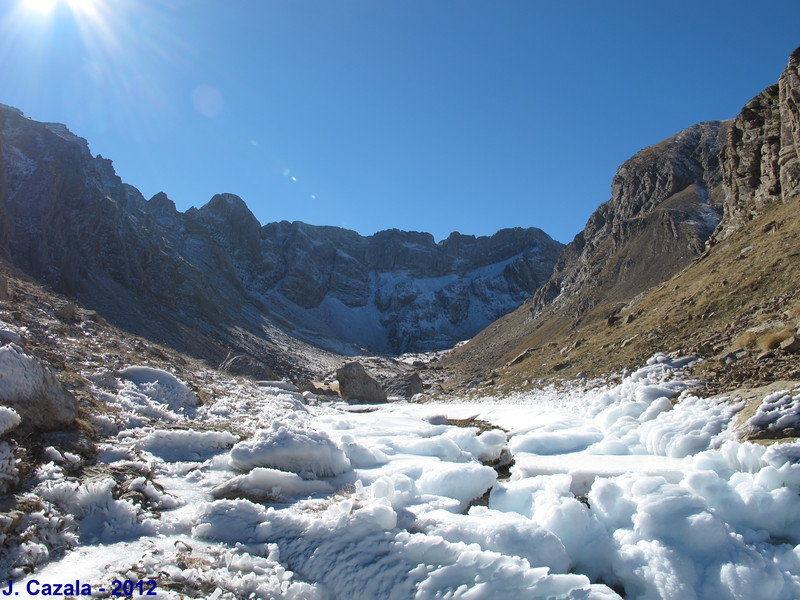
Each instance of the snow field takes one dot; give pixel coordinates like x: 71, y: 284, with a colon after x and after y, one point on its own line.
x: 637, y: 489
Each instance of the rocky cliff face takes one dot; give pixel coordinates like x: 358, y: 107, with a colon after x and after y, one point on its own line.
x: 670, y: 204
x: 423, y: 295
x: 665, y: 204
x: 760, y: 155
x: 213, y: 279
x: 3, y: 198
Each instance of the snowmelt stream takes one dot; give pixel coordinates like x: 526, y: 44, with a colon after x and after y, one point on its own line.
x: 637, y: 490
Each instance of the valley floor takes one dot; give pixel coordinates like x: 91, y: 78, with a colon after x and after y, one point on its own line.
x: 636, y: 489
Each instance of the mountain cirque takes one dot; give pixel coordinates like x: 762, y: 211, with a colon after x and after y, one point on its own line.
x: 214, y: 283
x: 692, y: 253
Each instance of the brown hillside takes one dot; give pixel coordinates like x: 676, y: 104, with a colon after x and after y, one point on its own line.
x: 735, y: 305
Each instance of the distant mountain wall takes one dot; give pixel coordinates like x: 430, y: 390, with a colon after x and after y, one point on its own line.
x: 212, y: 279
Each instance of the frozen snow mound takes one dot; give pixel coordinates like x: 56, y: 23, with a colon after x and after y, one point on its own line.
x: 270, y: 484
x: 507, y: 533
x: 9, y: 419
x: 289, y: 448
x: 463, y: 482
x: 584, y: 468
x: 8, y: 468
x: 185, y: 444
x: 33, y: 391
x: 160, y: 386
x: 779, y: 411
x: 360, y: 554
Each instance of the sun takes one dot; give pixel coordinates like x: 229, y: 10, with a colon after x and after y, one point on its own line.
x: 47, y: 6
x: 42, y: 6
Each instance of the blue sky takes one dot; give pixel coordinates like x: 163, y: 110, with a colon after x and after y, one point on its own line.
x: 427, y: 115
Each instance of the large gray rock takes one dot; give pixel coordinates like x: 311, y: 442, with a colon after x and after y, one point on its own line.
x: 355, y: 385
x: 246, y: 366
x: 32, y: 390
x: 404, y: 386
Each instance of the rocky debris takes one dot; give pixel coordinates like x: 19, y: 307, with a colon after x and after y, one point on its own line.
x: 246, y: 366
x: 93, y: 316
x: 68, y: 312
x: 791, y: 344
x: 404, y: 386
x: 318, y: 388
x: 4, y: 293
x: 522, y: 356
x: 356, y: 385
x: 33, y: 391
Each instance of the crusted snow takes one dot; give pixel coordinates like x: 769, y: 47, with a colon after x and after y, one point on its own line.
x: 639, y: 488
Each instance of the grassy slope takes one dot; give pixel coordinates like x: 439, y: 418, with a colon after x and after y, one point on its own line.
x: 742, y: 293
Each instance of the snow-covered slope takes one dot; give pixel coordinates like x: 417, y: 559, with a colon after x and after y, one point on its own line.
x: 638, y: 489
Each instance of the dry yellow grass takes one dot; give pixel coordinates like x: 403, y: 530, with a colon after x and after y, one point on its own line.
x: 772, y: 339
x: 706, y: 309
x: 744, y: 340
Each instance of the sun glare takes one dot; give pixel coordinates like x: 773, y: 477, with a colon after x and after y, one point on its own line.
x: 47, y: 6
x: 43, y: 6
x: 81, y: 5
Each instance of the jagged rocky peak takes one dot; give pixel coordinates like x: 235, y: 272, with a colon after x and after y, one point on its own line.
x: 761, y: 153
x: 212, y: 279
x: 665, y: 204
x: 233, y: 225
x: 161, y: 204
x: 658, y: 172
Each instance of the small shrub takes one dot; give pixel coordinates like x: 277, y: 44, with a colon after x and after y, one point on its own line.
x: 772, y: 339
x: 744, y: 340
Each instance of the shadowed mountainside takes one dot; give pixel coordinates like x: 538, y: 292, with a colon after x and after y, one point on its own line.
x: 212, y: 281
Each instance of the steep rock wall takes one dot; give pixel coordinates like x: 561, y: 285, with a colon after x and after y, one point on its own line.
x: 665, y: 204
x: 760, y: 155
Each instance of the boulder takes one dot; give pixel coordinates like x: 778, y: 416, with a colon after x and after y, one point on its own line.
x: 68, y: 312
x: 355, y: 385
x: 404, y: 386
x: 246, y: 366
x: 33, y: 392
x: 791, y: 344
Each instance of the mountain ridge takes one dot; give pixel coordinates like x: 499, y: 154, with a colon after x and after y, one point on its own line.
x: 212, y: 280
x: 710, y: 190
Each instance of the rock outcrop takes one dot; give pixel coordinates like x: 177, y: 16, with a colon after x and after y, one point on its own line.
x: 213, y: 280
x: 356, y: 385
x: 671, y: 203
x: 665, y: 204
x: 404, y: 386
x: 760, y: 156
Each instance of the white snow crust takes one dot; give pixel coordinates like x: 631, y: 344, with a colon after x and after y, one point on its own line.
x: 637, y: 489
